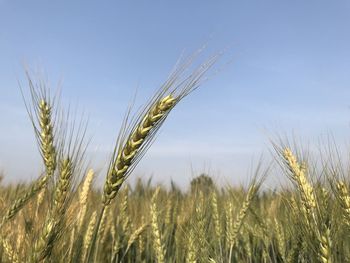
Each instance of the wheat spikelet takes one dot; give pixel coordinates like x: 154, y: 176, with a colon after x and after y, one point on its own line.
x: 20, y: 202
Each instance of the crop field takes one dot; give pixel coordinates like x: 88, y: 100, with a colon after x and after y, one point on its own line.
x: 63, y: 216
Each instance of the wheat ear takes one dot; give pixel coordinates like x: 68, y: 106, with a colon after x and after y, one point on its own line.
x: 158, y: 244
x: 83, y: 196
x: 136, y: 140
x: 233, y: 232
x: 134, y: 237
x: 281, y: 241
x: 192, y: 252
x: 325, y: 247
x: 344, y: 198
x: 46, y: 137
x: 88, y: 235
x: 299, y: 176
x: 126, y: 156
x: 217, y: 220
x: 46, y: 144
x: 52, y: 225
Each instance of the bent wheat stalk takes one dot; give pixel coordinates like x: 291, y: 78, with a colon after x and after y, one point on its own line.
x: 136, y: 136
x: 136, y: 139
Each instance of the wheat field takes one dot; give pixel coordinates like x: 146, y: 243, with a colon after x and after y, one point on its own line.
x: 63, y: 216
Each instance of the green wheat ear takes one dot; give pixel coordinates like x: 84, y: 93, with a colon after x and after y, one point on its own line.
x: 133, y: 145
x: 136, y: 137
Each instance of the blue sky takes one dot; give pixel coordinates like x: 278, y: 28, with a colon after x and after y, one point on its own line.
x: 289, y: 73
